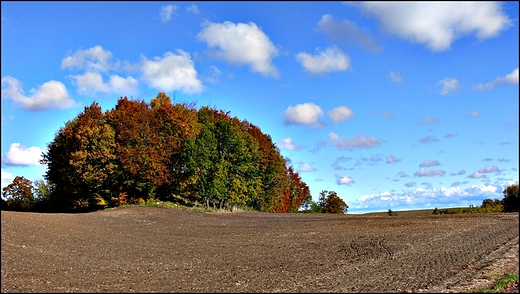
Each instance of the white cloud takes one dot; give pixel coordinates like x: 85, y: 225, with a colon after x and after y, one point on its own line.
x: 427, y: 198
x: 429, y: 120
x: 307, y: 113
x: 429, y: 173
x: 172, y: 72
x: 332, y: 59
x: 340, y: 114
x: 392, y: 159
x: 193, y: 9
x: 92, y: 59
x: 288, y: 144
x: 344, y: 180
x: 395, y: 77
x: 477, y: 175
x: 511, y: 79
x: 428, y: 139
x: 448, y: 85
x: 489, y: 169
x: 410, y: 184
x: 305, y: 168
x: 402, y: 174
x: 166, y: 12
x: 52, y: 94
x: 360, y: 142
x: 241, y: 44
x: 7, y: 178
x: 439, y: 24
x: 428, y: 163
x: 475, y: 114
x: 21, y: 155
x: 92, y: 82
x: 344, y: 31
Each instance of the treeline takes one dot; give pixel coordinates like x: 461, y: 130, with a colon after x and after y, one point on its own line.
x: 165, y: 151
x: 510, y: 203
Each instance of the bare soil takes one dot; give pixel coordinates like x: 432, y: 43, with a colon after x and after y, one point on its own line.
x: 152, y: 249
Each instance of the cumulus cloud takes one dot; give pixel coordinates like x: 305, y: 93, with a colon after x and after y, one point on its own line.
x: 392, y: 159
x: 332, y: 59
x: 193, y: 9
x: 172, y: 72
x: 166, y: 12
x: 477, y: 175
x: 52, y: 94
x: 429, y: 173
x: 19, y: 155
x: 429, y: 139
x: 345, y: 31
x: 306, y: 168
x: 395, y: 77
x: 358, y: 141
x: 428, y: 163
x: 92, y: 82
x: 340, y: 114
x: 92, y: 59
x: 448, y: 85
x: 7, y: 178
x: 439, y: 24
x: 303, y: 114
x: 241, y: 44
x: 429, y: 120
x: 509, y: 79
x: 344, y: 180
x: 288, y: 144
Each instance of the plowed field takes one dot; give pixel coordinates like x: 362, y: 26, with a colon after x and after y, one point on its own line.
x: 151, y: 249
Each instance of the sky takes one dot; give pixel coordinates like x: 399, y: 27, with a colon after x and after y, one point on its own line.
x: 391, y: 105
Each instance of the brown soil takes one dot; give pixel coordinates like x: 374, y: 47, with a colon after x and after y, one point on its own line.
x: 151, y: 249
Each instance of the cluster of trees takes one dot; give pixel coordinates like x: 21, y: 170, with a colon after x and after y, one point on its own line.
x: 165, y: 151
x: 510, y: 203
x: 328, y: 202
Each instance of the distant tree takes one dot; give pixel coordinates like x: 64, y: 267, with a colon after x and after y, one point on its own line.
x: 436, y: 211
x: 390, y: 212
x: 511, y: 199
x: 330, y: 202
x: 19, y: 194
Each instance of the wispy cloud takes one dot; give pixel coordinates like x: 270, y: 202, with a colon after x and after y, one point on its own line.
x: 358, y: 141
x: 288, y: 144
x: 395, y: 77
x: 392, y: 159
x: 166, y: 12
x: 345, y: 31
x: 429, y: 173
x: 448, y: 85
x: 428, y: 139
x: 509, y: 79
x: 428, y: 163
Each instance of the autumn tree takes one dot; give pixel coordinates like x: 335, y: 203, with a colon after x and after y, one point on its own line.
x: 511, y: 199
x: 19, y: 194
x: 330, y: 202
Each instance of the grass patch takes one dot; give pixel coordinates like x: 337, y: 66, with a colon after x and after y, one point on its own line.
x: 168, y: 204
x: 502, y: 283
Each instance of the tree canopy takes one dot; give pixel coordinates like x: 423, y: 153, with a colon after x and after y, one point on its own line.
x: 173, y: 152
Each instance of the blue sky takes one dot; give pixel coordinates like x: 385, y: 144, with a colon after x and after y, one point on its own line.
x: 392, y: 105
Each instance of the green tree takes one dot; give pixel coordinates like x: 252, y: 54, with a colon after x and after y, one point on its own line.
x: 511, y: 199
x: 19, y: 194
x: 81, y: 161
